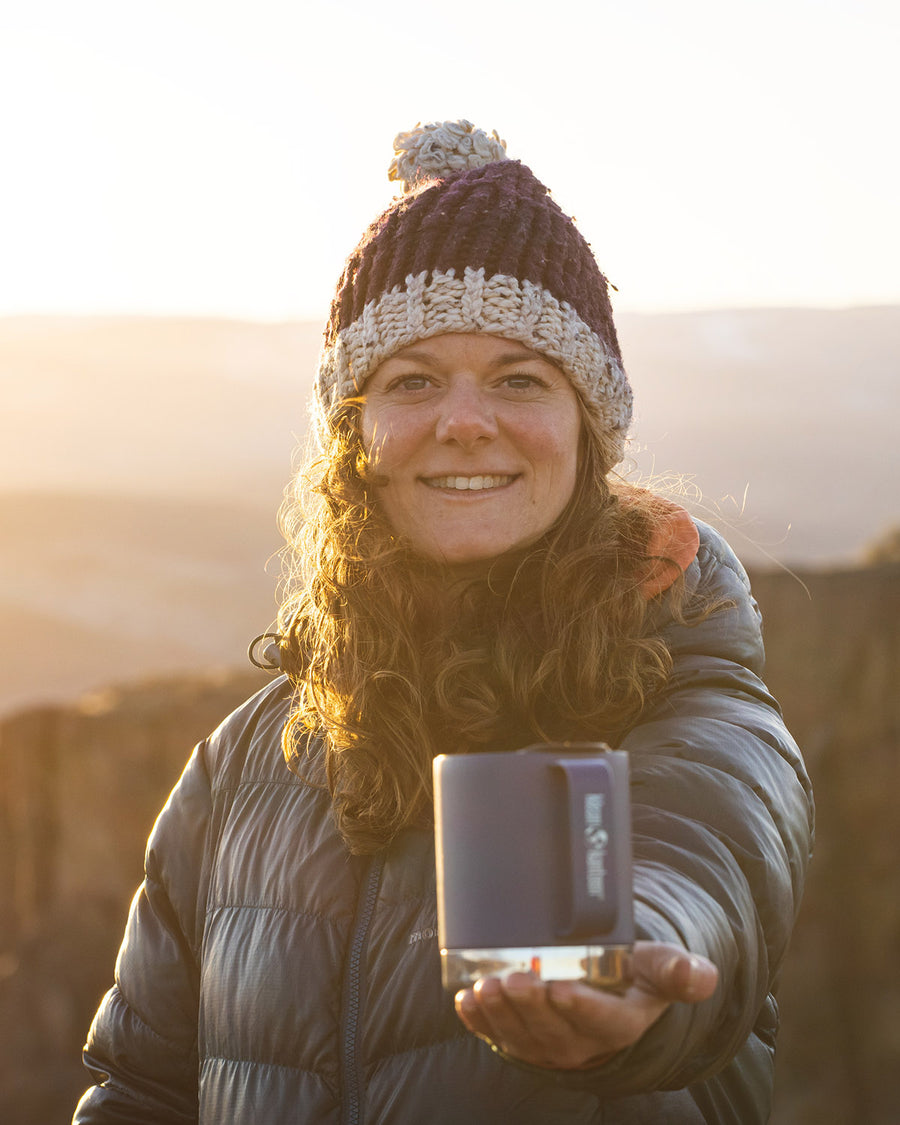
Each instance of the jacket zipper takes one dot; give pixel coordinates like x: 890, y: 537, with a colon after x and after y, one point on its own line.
x: 351, y: 1078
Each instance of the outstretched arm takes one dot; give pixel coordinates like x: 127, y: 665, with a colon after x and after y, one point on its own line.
x: 722, y: 826
x: 568, y: 1025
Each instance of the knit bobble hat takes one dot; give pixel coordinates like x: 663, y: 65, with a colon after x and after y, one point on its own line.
x: 475, y: 244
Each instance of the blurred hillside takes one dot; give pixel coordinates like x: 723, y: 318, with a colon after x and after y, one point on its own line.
x: 206, y: 409
x: 81, y: 784
x: 96, y: 589
x: 141, y: 467
x: 143, y: 461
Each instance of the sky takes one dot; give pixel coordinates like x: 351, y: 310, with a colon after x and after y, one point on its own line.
x: 218, y: 158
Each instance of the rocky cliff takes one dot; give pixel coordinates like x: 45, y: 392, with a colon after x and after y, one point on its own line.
x: 79, y: 787
x: 834, y: 662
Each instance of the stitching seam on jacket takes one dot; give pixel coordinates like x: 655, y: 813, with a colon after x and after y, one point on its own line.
x: 214, y: 907
x: 266, y: 1066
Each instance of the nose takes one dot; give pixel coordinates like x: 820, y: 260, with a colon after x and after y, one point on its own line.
x: 466, y: 415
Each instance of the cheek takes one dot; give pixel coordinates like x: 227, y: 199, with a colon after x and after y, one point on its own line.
x: 390, y: 438
x: 367, y: 427
x: 565, y: 478
x: 562, y: 452
x: 378, y: 442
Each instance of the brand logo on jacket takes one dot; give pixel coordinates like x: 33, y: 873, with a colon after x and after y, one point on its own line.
x: 422, y: 935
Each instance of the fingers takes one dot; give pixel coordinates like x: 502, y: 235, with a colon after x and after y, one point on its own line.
x: 567, y: 1024
x: 517, y: 1015
x: 612, y: 1020
x: 672, y: 973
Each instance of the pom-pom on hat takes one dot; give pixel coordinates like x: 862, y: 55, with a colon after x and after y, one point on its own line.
x: 475, y: 244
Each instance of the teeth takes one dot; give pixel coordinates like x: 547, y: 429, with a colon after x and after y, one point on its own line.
x: 470, y: 484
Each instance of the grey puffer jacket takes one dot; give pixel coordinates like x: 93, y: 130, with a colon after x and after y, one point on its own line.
x: 268, y: 976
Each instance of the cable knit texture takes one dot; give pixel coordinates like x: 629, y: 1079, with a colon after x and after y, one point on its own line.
x: 475, y: 245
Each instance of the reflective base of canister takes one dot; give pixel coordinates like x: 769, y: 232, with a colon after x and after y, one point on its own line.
x: 603, y: 966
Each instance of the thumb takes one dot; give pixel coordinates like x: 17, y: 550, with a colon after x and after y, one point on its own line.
x: 674, y: 974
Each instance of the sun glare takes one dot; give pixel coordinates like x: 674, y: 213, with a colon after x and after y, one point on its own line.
x: 190, y: 159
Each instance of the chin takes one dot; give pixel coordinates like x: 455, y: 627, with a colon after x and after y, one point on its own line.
x: 478, y: 557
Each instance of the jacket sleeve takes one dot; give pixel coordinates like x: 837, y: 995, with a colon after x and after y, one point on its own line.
x: 142, y: 1045
x: 722, y: 828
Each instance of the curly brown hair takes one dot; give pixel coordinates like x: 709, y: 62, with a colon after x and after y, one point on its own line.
x: 395, y: 659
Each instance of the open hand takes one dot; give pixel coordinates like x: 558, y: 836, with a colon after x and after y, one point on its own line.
x: 570, y: 1025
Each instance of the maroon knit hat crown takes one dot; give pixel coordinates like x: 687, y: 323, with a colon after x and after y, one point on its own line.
x: 475, y: 245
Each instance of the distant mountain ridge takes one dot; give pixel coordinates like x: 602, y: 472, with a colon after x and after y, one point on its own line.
x: 144, y: 459
x: 99, y: 589
x: 794, y: 408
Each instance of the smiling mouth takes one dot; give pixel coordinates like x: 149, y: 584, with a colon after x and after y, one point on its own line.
x: 468, y: 484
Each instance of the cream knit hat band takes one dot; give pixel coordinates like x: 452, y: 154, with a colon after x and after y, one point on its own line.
x: 500, y: 306
x: 482, y: 248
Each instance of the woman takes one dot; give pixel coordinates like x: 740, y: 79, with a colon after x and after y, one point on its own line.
x: 468, y: 576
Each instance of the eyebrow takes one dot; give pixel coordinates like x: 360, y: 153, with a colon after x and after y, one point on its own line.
x: 505, y: 359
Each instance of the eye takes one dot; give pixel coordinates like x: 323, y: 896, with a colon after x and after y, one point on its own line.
x: 409, y: 384
x: 523, y: 381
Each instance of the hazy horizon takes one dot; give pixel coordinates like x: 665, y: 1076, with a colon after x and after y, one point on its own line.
x: 145, y: 460
x: 741, y: 403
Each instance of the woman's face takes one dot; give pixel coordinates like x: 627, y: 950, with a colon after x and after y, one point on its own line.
x: 477, y: 438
